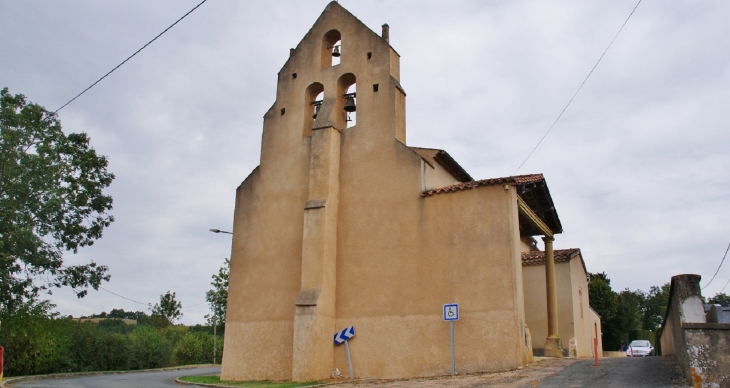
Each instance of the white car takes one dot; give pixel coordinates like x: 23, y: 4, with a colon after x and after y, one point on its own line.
x: 640, y: 348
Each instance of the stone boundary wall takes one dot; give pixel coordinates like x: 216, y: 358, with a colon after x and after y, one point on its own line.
x: 702, y: 349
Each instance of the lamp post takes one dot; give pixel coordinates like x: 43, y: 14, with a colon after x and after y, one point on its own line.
x: 215, y: 338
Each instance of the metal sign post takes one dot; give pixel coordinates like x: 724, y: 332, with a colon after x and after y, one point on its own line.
x: 349, y: 362
x: 451, y: 314
x: 343, y: 336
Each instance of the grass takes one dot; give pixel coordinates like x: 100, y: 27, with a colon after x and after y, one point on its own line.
x: 251, y: 384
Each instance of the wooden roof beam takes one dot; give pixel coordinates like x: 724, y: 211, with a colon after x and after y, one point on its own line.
x: 525, y: 210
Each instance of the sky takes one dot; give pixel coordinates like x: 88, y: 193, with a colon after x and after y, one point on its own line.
x: 638, y: 165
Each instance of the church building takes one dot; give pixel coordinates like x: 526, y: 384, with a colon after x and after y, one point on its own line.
x: 343, y: 224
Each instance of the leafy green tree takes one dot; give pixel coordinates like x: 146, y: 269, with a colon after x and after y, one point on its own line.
x: 217, y: 298
x: 629, y: 316
x: 51, y: 201
x: 655, y: 306
x: 168, y: 307
x: 718, y: 298
x: 605, y: 302
x: 120, y: 314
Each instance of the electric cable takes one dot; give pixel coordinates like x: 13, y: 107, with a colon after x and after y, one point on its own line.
x: 130, y: 57
x: 124, y: 297
x: 579, y: 88
x: 145, y: 304
x: 723, y: 287
x: 718, y: 268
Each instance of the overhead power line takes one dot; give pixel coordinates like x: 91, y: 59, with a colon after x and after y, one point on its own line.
x: 718, y: 268
x: 124, y: 297
x: 130, y: 57
x: 723, y: 287
x: 142, y: 303
x: 579, y: 88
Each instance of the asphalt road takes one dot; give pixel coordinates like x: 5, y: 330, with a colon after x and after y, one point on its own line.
x: 121, y: 380
x: 619, y: 372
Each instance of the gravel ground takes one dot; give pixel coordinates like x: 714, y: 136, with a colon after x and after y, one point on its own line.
x: 554, y: 373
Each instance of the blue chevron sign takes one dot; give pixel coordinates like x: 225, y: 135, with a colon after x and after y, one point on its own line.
x: 344, y: 335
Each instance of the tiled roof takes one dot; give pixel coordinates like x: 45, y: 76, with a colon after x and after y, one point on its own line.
x: 516, y: 179
x: 560, y: 255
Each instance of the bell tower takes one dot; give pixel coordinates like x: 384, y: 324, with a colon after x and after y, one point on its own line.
x: 340, y: 74
x: 339, y: 108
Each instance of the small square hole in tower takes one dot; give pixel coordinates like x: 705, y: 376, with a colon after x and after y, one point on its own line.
x: 375, y: 87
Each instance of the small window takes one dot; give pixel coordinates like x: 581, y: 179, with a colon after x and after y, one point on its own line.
x: 580, y: 298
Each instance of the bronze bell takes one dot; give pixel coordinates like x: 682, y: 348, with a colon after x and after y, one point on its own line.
x: 316, y: 110
x: 350, y: 104
x: 336, y: 51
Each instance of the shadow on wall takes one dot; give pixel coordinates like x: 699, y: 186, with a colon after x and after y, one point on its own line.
x: 700, y: 345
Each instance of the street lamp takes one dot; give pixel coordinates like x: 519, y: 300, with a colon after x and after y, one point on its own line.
x: 215, y: 338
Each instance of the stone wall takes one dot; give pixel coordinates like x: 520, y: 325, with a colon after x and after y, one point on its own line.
x: 702, y: 349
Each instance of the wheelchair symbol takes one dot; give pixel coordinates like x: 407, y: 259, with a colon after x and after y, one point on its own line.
x: 451, y: 312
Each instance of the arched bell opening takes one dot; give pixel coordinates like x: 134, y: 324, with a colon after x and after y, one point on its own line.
x: 346, y: 101
x: 331, y: 49
x: 313, y: 98
x: 351, y: 105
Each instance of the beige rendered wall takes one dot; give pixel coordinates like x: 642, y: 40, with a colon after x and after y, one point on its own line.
x: 582, y: 318
x: 331, y: 231
x: 416, y: 256
x: 571, y: 288
x: 536, y: 304
x: 596, y: 326
x: 435, y: 176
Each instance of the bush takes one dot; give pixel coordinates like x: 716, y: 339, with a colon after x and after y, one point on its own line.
x: 33, y: 340
x: 197, y: 348
x: 149, y: 348
x: 36, y: 341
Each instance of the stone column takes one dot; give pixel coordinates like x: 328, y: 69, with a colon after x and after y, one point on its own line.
x: 553, y: 345
x: 314, y: 316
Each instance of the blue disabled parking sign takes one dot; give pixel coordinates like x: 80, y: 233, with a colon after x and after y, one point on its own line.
x: 451, y: 312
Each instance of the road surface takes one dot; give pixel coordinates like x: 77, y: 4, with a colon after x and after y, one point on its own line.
x: 120, y: 380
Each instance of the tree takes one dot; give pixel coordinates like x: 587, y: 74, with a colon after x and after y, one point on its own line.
x: 718, y: 298
x: 168, y: 307
x: 605, y: 302
x: 629, y: 312
x: 655, y: 307
x: 217, y: 298
x: 51, y: 201
x: 120, y: 314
